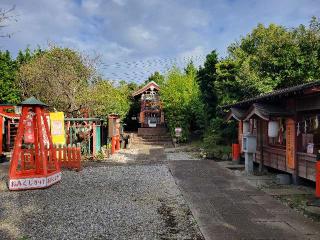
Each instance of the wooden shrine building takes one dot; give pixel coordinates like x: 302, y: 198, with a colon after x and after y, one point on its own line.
x: 286, y: 124
x: 151, y: 113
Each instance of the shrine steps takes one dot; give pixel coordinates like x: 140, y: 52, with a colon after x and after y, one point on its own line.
x: 152, y: 137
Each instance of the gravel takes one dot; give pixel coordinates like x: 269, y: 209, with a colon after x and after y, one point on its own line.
x: 105, y: 202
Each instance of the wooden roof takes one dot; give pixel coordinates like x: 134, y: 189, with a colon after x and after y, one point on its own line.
x: 266, y: 111
x: 146, y: 87
x: 285, y: 92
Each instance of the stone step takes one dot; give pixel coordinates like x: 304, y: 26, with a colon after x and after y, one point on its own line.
x: 152, y: 140
x: 154, y: 137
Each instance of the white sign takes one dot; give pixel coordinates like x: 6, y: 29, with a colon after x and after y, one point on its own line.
x: 178, y: 132
x: 32, y: 183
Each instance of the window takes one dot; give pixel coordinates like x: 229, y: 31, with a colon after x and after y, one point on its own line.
x: 308, y: 131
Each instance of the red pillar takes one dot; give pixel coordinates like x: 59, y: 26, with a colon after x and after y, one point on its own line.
x: 118, y: 143
x: 318, y: 178
x: 113, y: 145
x: 1, y: 136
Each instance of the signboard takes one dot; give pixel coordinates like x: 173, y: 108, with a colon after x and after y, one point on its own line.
x: 57, y: 128
x: 32, y: 183
x: 290, y: 143
x: 29, y: 130
x: 178, y: 132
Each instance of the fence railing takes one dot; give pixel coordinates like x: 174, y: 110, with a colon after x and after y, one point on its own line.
x: 67, y: 157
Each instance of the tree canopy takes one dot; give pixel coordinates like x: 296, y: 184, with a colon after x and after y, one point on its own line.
x: 181, y: 98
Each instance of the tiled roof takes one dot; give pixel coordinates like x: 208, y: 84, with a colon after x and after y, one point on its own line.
x: 276, y: 94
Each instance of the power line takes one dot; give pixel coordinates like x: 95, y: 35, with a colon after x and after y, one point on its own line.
x: 140, y: 70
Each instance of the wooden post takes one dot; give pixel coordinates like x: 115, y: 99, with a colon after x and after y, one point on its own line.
x: 41, y: 140
x: 113, y: 145
x: 8, y: 135
x: 291, y: 143
x: 318, y: 178
x: 94, y: 139
x: 261, y: 145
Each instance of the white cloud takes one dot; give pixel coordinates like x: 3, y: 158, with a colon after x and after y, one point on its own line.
x: 119, y: 2
x: 122, y: 30
x: 141, y: 37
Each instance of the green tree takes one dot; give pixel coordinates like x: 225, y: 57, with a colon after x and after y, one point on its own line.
x: 206, y: 77
x: 8, y: 90
x: 156, y: 77
x: 103, y: 98
x: 58, y: 77
x: 182, y: 102
x: 275, y: 57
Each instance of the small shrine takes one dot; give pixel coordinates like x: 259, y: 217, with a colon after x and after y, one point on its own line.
x: 151, y: 112
x: 284, y: 125
x: 34, y: 162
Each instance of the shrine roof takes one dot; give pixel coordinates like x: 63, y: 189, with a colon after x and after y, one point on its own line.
x: 33, y: 102
x: 266, y: 111
x: 285, y: 92
x: 146, y: 87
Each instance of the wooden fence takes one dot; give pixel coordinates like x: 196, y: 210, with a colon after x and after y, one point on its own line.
x: 68, y: 157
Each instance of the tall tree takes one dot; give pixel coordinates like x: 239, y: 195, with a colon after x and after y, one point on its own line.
x: 156, y: 77
x: 206, y: 77
x: 58, y: 77
x: 274, y: 57
x: 103, y: 98
x: 182, y: 102
x: 8, y: 90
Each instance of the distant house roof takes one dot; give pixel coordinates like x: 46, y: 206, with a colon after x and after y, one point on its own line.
x: 285, y: 92
x: 146, y: 87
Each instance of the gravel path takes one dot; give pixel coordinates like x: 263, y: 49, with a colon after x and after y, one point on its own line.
x: 106, y: 202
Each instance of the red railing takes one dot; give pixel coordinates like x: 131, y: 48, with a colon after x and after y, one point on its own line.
x: 68, y: 157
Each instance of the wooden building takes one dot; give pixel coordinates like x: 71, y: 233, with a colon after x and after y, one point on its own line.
x: 151, y: 113
x: 286, y: 124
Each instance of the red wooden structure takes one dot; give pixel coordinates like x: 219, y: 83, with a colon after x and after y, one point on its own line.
x: 236, y: 152
x: 114, y: 132
x: 34, y: 162
x: 8, y: 122
x: 69, y: 157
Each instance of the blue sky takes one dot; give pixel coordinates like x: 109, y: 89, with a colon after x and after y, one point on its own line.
x: 136, y: 37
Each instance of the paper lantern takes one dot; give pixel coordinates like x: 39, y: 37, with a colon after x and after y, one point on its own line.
x: 246, y: 127
x: 273, y: 128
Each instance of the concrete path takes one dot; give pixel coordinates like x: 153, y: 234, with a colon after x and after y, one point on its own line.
x: 226, y: 207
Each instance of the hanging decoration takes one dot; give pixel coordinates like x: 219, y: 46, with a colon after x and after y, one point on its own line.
x: 246, y: 127
x: 305, y: 126
x: 281, y: 130
x: 273, y: 128
x: 298, y: 130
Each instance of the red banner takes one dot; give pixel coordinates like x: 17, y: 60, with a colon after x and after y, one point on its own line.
x: 29, y: 132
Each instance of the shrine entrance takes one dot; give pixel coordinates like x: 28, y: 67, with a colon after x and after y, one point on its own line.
x: 151, y: 113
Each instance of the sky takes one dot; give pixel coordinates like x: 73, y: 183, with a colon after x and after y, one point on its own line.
x: 134, y: 38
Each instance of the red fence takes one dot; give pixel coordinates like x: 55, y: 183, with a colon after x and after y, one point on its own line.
x: 68, y: 157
